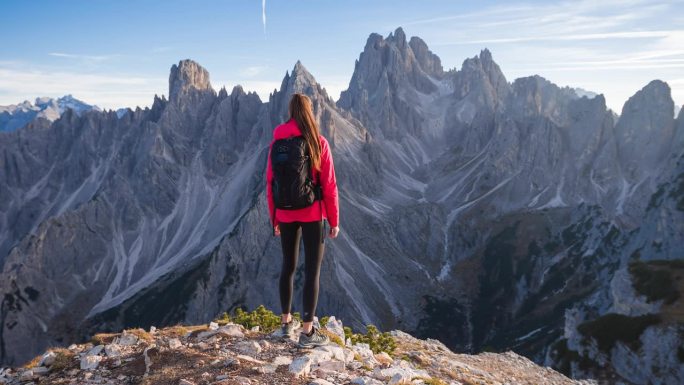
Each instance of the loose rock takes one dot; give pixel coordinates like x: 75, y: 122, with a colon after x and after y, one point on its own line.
x: 47, y: 359
x: 251, y: 348
x: 300, y: 366
x: 90, y: 362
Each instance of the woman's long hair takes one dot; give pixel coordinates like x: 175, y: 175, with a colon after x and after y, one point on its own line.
x: 301, y: 110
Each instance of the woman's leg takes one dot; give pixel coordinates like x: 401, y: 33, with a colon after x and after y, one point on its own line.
x: 313, y: 251
x: 290, y: 234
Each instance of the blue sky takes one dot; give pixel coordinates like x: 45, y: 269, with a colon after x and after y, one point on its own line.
x: 118, y: 53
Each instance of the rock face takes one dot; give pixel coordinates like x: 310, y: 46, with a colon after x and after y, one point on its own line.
x: 15, y: 116
x: 218, y: 359
x: 186, y: 77
x: 483, y: 213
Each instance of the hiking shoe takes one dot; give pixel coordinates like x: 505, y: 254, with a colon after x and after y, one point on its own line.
x: 287, y: 329
x: 315, y: 339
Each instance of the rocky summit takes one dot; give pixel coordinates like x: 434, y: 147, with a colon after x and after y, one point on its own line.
x: 229, y: 354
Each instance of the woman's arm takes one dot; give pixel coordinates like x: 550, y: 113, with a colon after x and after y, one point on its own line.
x: 269, y: 192
x: 329, y: 184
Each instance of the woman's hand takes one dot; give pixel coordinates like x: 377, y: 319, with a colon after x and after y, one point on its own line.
x: 334, y: 231
x: 277, y: 230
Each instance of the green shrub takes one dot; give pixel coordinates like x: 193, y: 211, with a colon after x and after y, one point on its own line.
x: 262, y: 317
x: 655, y: 283
x: 324, y: 321
x: 378, y: 342
x: 268, y: 322
x: 610, y: 328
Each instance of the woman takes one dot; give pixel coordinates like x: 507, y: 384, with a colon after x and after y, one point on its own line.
x: 307, y: 222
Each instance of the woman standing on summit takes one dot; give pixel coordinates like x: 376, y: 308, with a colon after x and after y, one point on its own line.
x: 299, y: 172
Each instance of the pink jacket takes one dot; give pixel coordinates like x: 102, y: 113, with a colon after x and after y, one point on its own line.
x: 312, y: 213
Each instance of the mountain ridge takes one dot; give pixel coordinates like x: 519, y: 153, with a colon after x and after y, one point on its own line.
x: 486, y: 157
x: 16, y: 116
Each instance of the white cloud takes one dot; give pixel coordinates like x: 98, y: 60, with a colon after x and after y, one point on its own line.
x: 252, y: 71
x: 81, y: 57
x: 263, y: 15
x: 558, y: 37
x: 107, y: 91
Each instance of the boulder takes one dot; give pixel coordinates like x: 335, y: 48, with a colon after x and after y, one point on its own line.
x: 231, y: 330
x: 90, y: 362
x: 175, y: 343
x: 112, y: 350
x: 365, y: 380
x: 47, y: 359
x: 96, y: 350
x: 251, y: 348
x: 126, y: 339
x: 301, y: 366
x: 335, y: 326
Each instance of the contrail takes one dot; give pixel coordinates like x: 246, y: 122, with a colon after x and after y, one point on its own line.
x: 263, y: 15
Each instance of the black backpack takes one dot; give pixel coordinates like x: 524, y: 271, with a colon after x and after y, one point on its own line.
x: 292, y: 185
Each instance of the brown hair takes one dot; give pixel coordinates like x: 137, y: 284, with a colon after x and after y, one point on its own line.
x: 301, y: 110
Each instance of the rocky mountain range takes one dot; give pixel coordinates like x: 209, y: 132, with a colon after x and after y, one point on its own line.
x: 488, y: 214
x: 15, y: 116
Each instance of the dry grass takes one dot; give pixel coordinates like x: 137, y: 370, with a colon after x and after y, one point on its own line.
x: 431, y: 381
x: 183, y: 330
x: 333, y: 337
x: 103, y: 338
x: 195, y: 330
x: 175, y: 331
x: 141, y: 334
x: 223, y: 321
x: 34, y: 362
x: 63, y: 359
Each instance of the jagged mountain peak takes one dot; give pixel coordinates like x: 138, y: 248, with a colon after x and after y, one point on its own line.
x: 655, y: 97
x: 187, y: 75
x: 392, y: 62
x: 398, y: 37
x: 486, y: 55
x: 484, y: 61
x: 645, y: 130
x: 301, y: 80
x: 655, y: 94
x: 237, y: 90
x: 428, y: 61
x: 483, y: 73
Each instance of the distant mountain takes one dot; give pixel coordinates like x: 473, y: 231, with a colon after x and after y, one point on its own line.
x: 488, y: 214
x: 582, y: 92
x: 15, y: 116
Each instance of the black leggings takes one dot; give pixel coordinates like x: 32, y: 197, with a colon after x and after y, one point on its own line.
x: 290, y: 234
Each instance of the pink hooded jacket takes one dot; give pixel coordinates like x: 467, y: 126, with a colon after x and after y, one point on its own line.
x: 330, y: 206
